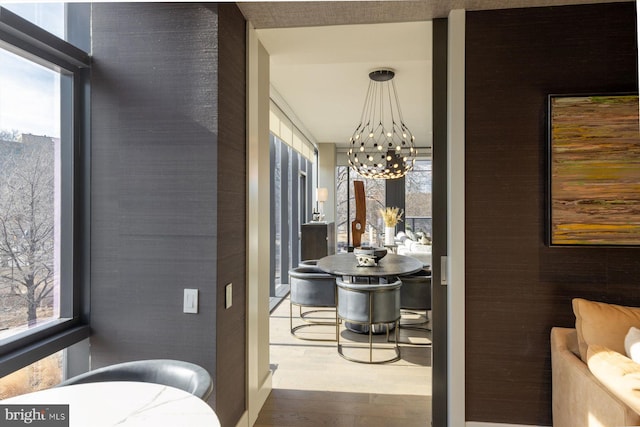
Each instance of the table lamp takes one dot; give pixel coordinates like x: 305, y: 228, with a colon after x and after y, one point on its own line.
x: 322, y: 195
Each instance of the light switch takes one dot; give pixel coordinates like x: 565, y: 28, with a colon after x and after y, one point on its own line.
x: 190, y: 301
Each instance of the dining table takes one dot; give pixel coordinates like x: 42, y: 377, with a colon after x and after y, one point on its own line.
x: 390, y: 266
x: 110, y: 403
x: 387, y: 269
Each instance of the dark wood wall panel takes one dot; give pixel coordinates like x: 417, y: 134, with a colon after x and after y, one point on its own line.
x: 231, y: 355
x: 517, y: 288
x: 168, y: 188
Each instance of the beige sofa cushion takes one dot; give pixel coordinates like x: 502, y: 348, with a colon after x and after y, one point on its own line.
x: 603, y: 324
x: 617, y: 372
x: 632, y: 344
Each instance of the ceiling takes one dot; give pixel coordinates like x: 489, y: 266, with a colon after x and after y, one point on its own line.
x: 321, y: 54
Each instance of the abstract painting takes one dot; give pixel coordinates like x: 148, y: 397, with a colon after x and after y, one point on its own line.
x: 594, y: 170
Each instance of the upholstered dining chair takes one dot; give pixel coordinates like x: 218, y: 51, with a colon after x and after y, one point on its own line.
x: 186, y: 376
x: 415, y: 300
x: 369, y: 305
x: 314, y: 291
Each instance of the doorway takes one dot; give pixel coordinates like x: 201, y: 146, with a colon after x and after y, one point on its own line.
x: 450, y: 378
x: 273, y: 42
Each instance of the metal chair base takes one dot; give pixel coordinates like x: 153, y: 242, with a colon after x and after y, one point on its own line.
x: 308, y: 322
x: 415, y: 326
x: 371, y: 347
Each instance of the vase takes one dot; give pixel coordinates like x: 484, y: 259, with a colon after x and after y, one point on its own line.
x: 389, y: 236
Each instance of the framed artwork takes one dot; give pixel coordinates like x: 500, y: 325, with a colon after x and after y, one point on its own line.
x: 593, y: 170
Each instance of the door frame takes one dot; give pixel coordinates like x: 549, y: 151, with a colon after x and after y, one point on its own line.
x: 449, y: 152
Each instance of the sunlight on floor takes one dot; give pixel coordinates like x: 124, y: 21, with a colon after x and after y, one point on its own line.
x: 316, y: 365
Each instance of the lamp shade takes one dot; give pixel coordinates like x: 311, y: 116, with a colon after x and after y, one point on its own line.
x: 382, y: 146
x: 322, y: 194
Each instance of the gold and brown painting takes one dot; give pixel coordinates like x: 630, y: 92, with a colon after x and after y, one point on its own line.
x: 594, y: 170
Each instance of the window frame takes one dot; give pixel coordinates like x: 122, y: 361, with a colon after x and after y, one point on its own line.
x: 26, y: 39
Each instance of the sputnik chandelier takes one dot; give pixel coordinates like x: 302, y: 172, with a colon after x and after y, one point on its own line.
x: 382, y: 146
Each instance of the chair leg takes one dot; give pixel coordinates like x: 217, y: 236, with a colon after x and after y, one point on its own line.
x: 370, y: 343
x: 308, y: 323
x: 290, y: 316
x: 415, y: 327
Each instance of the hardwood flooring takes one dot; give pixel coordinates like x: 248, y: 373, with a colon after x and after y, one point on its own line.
x: 314, y: 386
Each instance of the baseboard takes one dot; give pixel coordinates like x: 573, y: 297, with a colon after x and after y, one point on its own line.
x: 261, y: 396
x: 481, y: 424
x: 244, y: 420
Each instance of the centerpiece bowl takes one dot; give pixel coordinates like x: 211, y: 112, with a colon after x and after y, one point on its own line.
x: 368, y: 256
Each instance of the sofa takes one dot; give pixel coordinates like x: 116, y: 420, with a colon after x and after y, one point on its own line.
x: 410, y: 245
x: 594, y: 382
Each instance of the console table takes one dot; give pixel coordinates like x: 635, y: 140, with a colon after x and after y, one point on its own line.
x: 317, y: 240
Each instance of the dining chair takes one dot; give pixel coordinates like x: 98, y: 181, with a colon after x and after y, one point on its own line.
x: 415, y: 300
x: 314, y: 291
x: 186, y: 376
x: 370, y: 306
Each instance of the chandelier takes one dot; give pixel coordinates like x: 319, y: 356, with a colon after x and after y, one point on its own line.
x: 382, y: 145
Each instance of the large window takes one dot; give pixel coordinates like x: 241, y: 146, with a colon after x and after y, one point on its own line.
x: 42, y: 168
x: 416, y: 204
x: 29, y: 194
x: 290, y: 206
x: 375, y: 195
x: 418, y: 197
x: 292, y: 159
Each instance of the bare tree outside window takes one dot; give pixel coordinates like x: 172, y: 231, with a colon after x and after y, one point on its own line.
x: 37, y: 99
x: 418, y: 197
x: 417, y: 210
x: 26, y: 229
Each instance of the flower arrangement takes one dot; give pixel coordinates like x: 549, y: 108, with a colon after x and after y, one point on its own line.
x: 391, y: 216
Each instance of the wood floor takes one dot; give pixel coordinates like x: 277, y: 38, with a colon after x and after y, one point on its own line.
x: 314, y: 386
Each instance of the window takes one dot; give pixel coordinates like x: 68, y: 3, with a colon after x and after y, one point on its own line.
x: 29, y: 194
x: 290, y: 207
x: 375, y: 193
x: 418, y: 197
x: 48, y: 16
x: 292, y: 158
x: 416, y: 204
x: 42, y: 80
x: 40, y: 375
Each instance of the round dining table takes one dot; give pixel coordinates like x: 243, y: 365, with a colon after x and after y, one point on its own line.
x: 391, y: 265
x: 388, y: 269
x: 115, y: 403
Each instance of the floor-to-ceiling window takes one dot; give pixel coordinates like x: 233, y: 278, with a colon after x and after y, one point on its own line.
x: 375, y: 191
x: 417, y: 208
x: 43, y: 79
x: 293, y: 160
x: 416, y: 205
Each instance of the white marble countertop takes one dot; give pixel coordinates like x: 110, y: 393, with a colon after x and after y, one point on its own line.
x: 123, y: 403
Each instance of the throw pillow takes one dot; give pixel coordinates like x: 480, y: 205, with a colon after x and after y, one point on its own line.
x: 410, y: 235
x: 604, y: 324
x: 616, y: 372
x: 632, y: 344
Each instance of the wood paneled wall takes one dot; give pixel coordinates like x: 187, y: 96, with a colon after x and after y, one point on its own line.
x: 232, y: 184
x: 168, y: 188
x: 517, y: 288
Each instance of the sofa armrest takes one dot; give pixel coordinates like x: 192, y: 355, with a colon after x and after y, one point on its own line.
x: 579, y: 399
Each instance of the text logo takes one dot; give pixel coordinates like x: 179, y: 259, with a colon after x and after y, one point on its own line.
x: 34, y: 415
